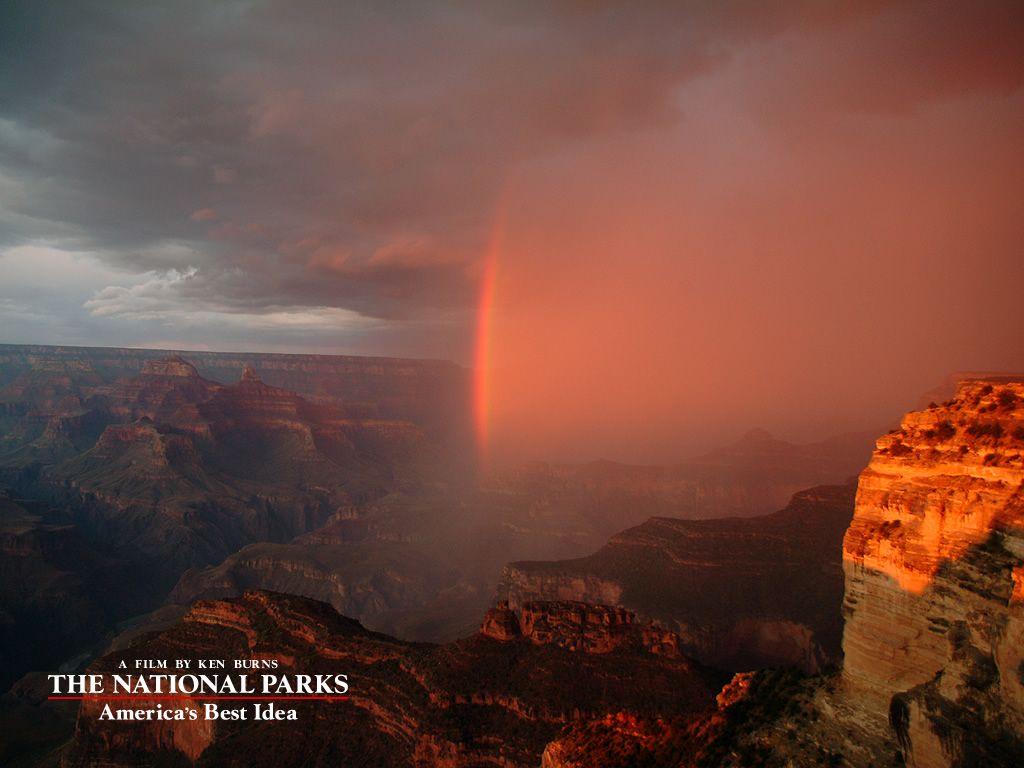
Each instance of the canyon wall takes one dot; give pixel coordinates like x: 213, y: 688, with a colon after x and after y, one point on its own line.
x: 934, y: 564
x: 933, y: 674
x: 432, y: 393
x: 742, y: 593
x: 480, y: 701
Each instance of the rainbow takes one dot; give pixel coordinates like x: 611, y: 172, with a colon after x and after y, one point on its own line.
x: 482, y: 357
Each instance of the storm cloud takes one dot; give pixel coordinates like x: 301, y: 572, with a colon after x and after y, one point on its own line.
x: 259, y: 156
x: 325, y: 176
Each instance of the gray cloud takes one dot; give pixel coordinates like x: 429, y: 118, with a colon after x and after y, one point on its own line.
x: 253, y: 158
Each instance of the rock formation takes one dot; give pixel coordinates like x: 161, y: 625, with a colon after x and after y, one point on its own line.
x: 716, y: 738
x: 934, y: 632
x: 934, y: 637
x: 431, y: 393
x: 189, y: 460
x: 933, y: 674
x: 478, y: 701
x: 167, y: 470
x: 376, y: 581
x: 57, y: 590
x: 191, y: 470
x: 576, y: 626
x: 741, y: 593
x: 242, y: 483
x: 163, y: 391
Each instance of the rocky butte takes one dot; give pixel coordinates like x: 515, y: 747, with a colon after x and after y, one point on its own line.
x: 495, y: 698
x: 934, y: 564
x: 741, y: 593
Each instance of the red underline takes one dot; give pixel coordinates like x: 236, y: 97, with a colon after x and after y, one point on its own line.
x: 184, y: 697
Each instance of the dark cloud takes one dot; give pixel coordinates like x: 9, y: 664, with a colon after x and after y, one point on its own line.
x: 254, y: 157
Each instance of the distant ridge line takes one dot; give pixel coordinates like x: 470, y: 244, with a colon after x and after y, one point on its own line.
x: 161, y: 352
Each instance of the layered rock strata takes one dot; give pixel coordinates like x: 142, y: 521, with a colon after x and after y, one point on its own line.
x: 577, y: 626
x: 479, y: 701
x: 432, y: 393
x: 934, y: 637
x: 933, y: 674
x: 741, y: 593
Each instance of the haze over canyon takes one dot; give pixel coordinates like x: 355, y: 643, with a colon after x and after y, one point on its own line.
x: 584, y: 384
x: 749, y: 606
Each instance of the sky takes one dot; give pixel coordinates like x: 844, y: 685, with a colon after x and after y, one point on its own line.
x: 697, y: 217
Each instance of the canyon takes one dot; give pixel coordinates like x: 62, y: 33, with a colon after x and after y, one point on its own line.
x: 175, y: 504
x: 58, y: 590
x: 537, y: 511
x: 210, y: 476
x: 742, y: 593
x: 185, y: 471
x: 432, y: 393
x: 932, y: 672
x: 162, y: 471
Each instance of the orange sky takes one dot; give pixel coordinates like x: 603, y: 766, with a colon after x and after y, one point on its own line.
x: 787, y: 255
x: 717, y: 215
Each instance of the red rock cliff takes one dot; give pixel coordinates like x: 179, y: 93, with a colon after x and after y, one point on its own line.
x: 934, y: 635
x: 577, y: 626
